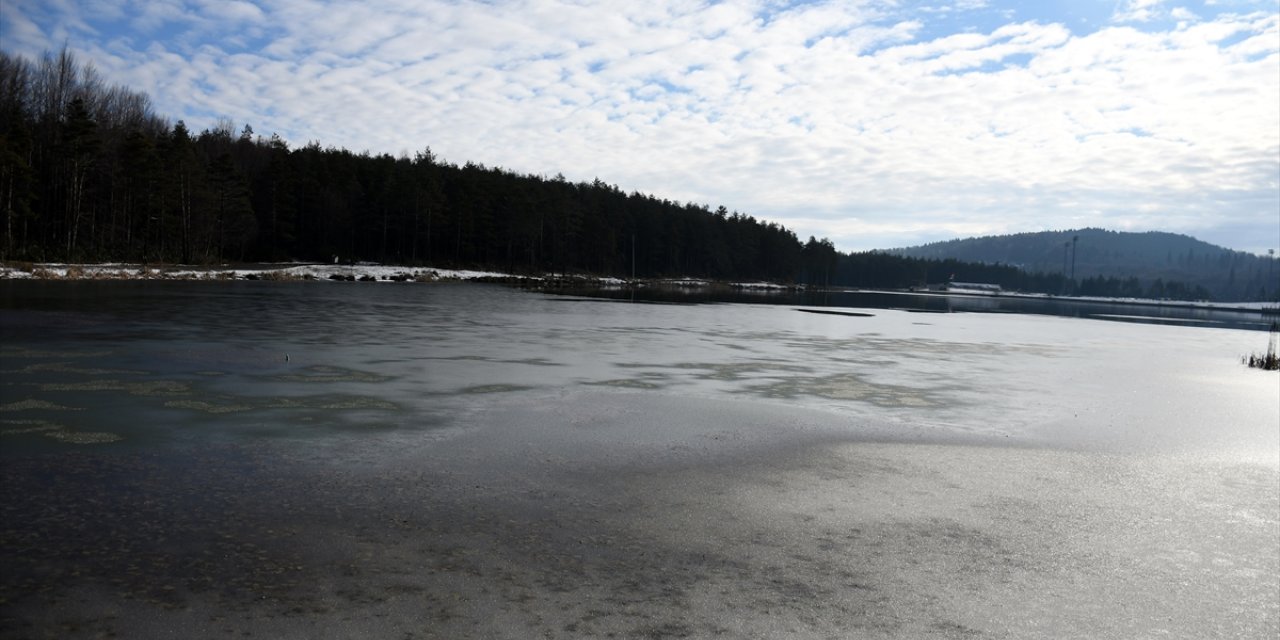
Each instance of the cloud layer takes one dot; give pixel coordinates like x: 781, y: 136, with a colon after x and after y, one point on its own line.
x: 874, y: 123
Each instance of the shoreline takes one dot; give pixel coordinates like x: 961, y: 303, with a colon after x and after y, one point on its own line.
x: 360, y: 272
x: 373, y: 272
x: 284, y: 271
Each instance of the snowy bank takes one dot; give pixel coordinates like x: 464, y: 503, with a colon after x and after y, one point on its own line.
x: 364, y: 272
x: 278, y: 271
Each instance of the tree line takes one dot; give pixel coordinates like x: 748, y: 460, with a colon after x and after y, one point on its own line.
x: 90, y: 173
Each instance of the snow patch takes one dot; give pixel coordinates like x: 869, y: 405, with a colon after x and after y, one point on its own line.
x: 277, y: 271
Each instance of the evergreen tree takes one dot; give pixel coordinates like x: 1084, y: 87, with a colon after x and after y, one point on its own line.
x: 77, y: 149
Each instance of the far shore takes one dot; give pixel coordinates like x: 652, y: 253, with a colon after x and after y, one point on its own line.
x: 376, y: 272
x: 250, y: 271
x: 362, y: 272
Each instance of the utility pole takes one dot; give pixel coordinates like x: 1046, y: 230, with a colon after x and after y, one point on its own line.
x: 1271, y: 262
x: 1066, y: 246
x: 1074, y: 239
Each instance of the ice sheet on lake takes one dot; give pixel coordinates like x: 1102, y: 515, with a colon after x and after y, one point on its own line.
x: 472, y: 462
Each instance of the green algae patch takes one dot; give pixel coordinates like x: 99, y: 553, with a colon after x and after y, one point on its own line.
x: 36, y: 405
x: 740, y: 371
x: 207, y: 407
x: 83, y: 437
x: 725, y: 371
x: 357, y: 403
x: 57, y: 432
x: 67, y: 367
x: 19, y: 427
x: 46, y: 355
x: 227, y: 405
x: 494, y: 388
x: 322, y: 373
x: 533, y: 362
x: 239, y: 405
x: 330, y: 403
x: 152, y: 388
x: 628, y: 383
x: 851, y: 387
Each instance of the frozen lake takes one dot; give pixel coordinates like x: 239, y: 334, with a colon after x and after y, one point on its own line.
x: 335, y: 460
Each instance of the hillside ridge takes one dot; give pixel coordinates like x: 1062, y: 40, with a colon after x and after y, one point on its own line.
x: 1093, y: 253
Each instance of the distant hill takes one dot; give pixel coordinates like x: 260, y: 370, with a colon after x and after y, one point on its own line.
x: 1121, y: 256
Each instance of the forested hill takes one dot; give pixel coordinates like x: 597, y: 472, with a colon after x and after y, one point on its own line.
x: 1108, y: 261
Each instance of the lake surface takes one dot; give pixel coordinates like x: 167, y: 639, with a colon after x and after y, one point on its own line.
x: 406, y: 460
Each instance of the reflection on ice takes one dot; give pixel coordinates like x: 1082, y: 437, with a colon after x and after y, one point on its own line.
x: 436, y: 349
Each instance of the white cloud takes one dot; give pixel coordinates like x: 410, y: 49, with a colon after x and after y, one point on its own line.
x: 824, y: 117
x: 156, y: 13
x: 232, y: 11
x: 1183, y: 15
x: 1138, y: 10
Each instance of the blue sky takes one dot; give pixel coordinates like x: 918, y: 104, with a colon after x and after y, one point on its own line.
x: 875, y: 123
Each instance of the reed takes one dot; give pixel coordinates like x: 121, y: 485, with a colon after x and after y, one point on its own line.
x: 1270, y: 361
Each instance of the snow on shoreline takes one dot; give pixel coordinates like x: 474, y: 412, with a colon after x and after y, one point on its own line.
x: 368, y: 272
x: 279, y: 271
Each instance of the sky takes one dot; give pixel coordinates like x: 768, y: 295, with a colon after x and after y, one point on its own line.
x: 874, y: 123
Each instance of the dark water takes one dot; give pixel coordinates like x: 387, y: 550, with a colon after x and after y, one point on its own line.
x: 258, y: 459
